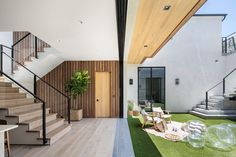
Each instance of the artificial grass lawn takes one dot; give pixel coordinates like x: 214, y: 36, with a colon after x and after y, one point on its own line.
x: 148, y: 145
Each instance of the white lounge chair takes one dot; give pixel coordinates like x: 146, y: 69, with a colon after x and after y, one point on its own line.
x: 148, y: 118
x: 161, y: 114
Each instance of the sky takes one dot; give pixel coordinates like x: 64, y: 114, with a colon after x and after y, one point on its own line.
x: 222, y: 7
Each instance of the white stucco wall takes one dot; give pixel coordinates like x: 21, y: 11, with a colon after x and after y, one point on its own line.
x: 47, y: 61
x: 230, y: 81
x: 131, y: 18
x: 6, y: 38
x: 193, y: 56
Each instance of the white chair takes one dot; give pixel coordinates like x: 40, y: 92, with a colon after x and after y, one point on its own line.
x: 147, y: 118
x: 6, y: 137
x: 161, y: 114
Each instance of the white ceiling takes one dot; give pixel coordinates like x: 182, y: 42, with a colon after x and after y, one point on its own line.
x: 58, y: 22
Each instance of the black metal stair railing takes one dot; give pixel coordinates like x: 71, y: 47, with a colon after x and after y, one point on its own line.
x: 229, y: 44
x: 35, y: 79
x: 223, y: 82
x: 25, y: 47
x: 36, y: 98
x: 29, y: 92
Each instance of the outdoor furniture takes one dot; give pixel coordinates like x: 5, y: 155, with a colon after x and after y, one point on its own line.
x: 147, y: 105
x: 6, y: 137
x: 160, y: 125
x: 173, y: 131
x: 151, y: 118
x: 162, y: 115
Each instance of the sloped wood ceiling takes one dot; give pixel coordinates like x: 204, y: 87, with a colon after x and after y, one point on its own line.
x: 155, y: 25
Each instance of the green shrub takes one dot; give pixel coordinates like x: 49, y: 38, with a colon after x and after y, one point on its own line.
x: 130, y: 106
x: 78, y: 83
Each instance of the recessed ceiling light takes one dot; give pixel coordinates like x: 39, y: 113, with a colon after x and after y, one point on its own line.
x: 145, y: 46
x: 58, y: 41
x: 167, y: 7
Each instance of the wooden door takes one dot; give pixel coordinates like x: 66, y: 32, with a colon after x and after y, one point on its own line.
x: 102, y: 94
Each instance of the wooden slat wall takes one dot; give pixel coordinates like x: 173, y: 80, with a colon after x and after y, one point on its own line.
x: 60, y: 75
x: 25, y: 49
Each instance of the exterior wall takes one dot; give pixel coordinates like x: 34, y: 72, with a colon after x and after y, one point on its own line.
x: 6, y: 38
x: 193, y: 56
x: 131, y: 17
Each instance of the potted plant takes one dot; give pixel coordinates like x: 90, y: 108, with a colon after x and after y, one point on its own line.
x: 77, y: 85
x: 136, y: 110
x: 130, y: 108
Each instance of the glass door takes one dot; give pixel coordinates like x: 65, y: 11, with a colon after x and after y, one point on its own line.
x: 151, y: 86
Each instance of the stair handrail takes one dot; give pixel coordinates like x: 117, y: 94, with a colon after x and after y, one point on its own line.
x: 230, y: 34
x: 225, y: 43
x: 12, y: 49
x: 35, y: 75
x: 35, y: 79
x: 223, y: 81
x: 36, y: 98
x: 21, y: 39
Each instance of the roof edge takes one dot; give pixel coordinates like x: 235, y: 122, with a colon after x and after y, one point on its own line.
x: 223, y: 15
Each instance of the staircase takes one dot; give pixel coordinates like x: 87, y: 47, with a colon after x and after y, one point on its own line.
x: 17, y: 108
x: 26, y: 46
x: 20, y: 104
x: 219, y: 106
x: 47, y: 61
x: 33, y: 53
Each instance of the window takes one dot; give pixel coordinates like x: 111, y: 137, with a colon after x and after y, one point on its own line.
x: 151, y: 85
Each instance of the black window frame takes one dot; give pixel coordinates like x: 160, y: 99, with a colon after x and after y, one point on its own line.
x: 152, y: 67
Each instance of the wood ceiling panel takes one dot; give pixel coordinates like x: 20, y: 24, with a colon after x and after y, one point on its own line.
x: 155, y: 26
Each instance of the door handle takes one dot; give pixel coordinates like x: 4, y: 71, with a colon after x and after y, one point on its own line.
x: 97, y: 100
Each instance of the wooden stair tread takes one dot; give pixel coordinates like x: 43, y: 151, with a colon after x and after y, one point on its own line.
x: 19, y: 99
x: 47, y: 124
x: 5, y: 84
x: 15, y: 102
x: 5, y: 87
x: 26, y: 112
x: 2, y: 78
x: 57, y: 130
x: 22, y: 105
x: 7, y: 96
x: 16, y: 93
x: 8, y: 87
x: 36, y: 118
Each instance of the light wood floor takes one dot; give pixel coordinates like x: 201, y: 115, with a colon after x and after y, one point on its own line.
x: 87, y: 138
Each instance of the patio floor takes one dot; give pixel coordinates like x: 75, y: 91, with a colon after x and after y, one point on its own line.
x: 89, y: 137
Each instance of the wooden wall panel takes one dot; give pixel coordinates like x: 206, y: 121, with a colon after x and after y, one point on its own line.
x: 61, y: 74
x: 25, y: 49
